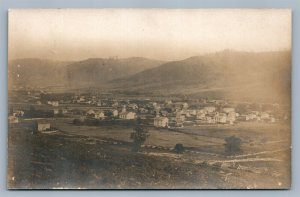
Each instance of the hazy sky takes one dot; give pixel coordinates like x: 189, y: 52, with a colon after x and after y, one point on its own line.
x: 168, y: 34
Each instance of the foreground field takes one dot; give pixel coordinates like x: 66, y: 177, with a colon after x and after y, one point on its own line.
x: 101, y: 157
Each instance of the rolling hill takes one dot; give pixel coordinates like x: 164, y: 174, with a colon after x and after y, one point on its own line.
x: 90, y: 72
x: 35, y: 72
x: 227, y: 73
x: 230, y: 74
x: 96, y: 72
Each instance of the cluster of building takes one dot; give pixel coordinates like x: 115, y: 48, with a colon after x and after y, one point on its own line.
x: 178, y: 114
x: 159, y: 113
x: 111, y: 113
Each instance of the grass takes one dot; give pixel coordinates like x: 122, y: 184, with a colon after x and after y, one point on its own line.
x: 59, y: 161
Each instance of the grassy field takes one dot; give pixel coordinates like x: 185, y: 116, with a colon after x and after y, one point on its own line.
x: 70, y: 159
x: 255, y: 136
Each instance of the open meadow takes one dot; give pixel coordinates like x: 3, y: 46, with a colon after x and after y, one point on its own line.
x: 100, y: 156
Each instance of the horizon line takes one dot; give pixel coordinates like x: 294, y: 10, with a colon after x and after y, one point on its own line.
x: 171, y: 60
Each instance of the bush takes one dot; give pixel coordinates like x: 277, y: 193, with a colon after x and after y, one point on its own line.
x: 232, y: 145
x: 179, y: 148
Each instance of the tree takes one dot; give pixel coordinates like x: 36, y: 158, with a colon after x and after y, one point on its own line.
x: 139, y: 136
x: 232, y: 145
x: 179, y: 148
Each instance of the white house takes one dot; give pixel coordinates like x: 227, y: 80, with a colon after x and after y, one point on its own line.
x: 133, y: 106
x: 115, y: 113
x: 264, y: 115
x: 127, y: 115
x: 53, y: 103
x: 210, y: 109
x: 90, y: 112
x: 272, y: 120
x: 115, y: 104
x: 252, y: 116
x: 231, y: 117
x: 168, y: 102
x: 220, y: 118
x: 55, y: 111
x: 64, y: 111
x: 154, y: 104
x: 192, y: 112
x: 18, y: 113
x: 201, y: 111
x: 99, y: 115
x: 181, y: 105
x: 228, y: 109
x: 161, y: 122
x: 185, y: 105
x: 209, y: 120
x: 13, y: 119
x: 200, y: 116
x: 81, y: 99
x: 180, y: 117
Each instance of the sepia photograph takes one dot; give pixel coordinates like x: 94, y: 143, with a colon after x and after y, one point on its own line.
x: 149, y: 99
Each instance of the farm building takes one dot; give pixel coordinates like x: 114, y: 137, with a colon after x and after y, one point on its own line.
x: 161, y: 122
x: 43, y: 126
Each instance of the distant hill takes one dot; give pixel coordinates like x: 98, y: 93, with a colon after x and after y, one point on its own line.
x: 36, y: 72
x: 94, y: 72
x: 230, y: 74
x: 226, y: 73
x: 90, y: 72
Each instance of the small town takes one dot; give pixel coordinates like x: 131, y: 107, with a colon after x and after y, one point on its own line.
x: 168, y: 113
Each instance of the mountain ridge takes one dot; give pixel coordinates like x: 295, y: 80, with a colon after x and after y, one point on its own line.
x: 259, y: 74
x: 223, y: 73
